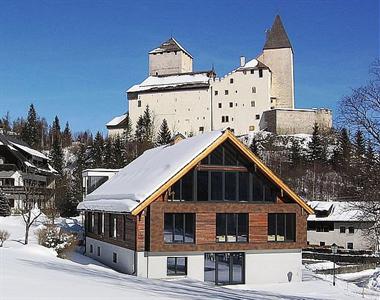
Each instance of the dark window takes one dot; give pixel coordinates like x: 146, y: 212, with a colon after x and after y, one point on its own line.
x: 225, y: 92
x: 350, y: 246
x: 114, y: 257
x: 243, y: 186
x: 176, y: 266
x: 252, y: 71
x: 91, y: 248
x: 281, y: 227
x: 351, y: 229
x: 253, y: 89
x: 224, y: 268
x: 260, y: 72
x: 183, y: 189
x: 231, y: 104
x: 322, y: 244
x: 202, y: 186
x: 100, y: 226
x: 220, y: 105
x: 216, y: 186
x: 342, y: 229
x: 112, y: 226
x: 179, y: 228
x: 257, y: 117
x: 232, y: 227
x: 230, y: 187
x: 216, y: 93
x: 216, y: 157
x: 201, y: 129
x: 227, y: 119
x: 89, y: 222
x: 11, y: 202
x: 231, y: 80
x: 253, y: 103
x: 139, y: 103
x: 98, y: 251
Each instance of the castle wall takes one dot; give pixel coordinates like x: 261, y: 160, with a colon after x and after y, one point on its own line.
x: 169, y: 63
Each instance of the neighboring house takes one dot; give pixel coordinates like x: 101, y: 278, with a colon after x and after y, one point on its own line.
x: 24, y: 170
x: 117, y: 125
x: 205, y: 208
x: 94, y: 178
x: 196, y: 102
x: 339, y: 223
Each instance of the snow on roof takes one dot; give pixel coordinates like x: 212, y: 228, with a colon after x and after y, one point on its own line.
x: 169, y: 46
x: 171, y: 81
x: 30, y: 150
x: 339, y: 211
x: 143, y: 176
x: 116, y: 121
x: 251, y: 64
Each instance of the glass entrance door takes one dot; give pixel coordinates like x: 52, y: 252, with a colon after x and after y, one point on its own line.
x: 225, y: 268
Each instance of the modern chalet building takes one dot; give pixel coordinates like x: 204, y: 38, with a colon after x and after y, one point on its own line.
x: 205, y: 208
x: 23, y: 171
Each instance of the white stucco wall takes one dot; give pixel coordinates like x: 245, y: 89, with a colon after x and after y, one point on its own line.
x: 358, y: 238
x: 125, y: 257
x: 273, y: 266
x: 170, y: 63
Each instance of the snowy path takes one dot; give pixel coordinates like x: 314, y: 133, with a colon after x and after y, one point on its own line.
x: 34, y: 272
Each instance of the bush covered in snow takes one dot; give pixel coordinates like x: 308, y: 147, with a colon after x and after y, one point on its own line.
x: 53, y: 237
x: 374, y: 281
x: 4, y: 235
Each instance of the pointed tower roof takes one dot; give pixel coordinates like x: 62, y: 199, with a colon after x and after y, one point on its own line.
x: 277, y: 37
x: 170, y: 45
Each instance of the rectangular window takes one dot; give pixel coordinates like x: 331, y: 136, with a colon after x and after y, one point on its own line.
x: 231, y: 80
x: 251, y: 128
x: 98, y: 251
x: 139, y: 103
x: 350, y: 246
x: 202, y: 186
x: 252, y: 71
x: 253, y: 89
x: 253, y: 103
x: 257, y: 117
x: 342, y: 229
x: 114, y: 257
x: 281, y: 227
x: 179, y: 228
x: 225, y: 92
x: 201, y: 129
x: 91, y: 248
x: 230, y: 186
x: 351, y: 230
x: 217, y: 186
x: 322, y: 244
x: 232, y: 228
x: 100, y: 226
x: 260, y: 72
x: 92, y: 222
x: 103, y: 223
x: 220, y: 105
x: 216, y: 93
x: 112, y: 226
x: 176, y: 266
x: 226, y: 119
x: 243, y: 186
x: 231, y: 104
x: 89, y: 221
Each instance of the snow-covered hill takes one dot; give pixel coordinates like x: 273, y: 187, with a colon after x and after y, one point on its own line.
x: 34, y: 272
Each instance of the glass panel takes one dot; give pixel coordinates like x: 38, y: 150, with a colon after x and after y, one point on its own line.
x: 181, y: 266
x: 243, y: 186
x: 290, y: 227
x: 280, y: 236
x: 230, y: 186
x: 271, y: 227
x: 209, y: 267
x: 257, y: 188
x: 230, y: 155
x: 217, y: 186
x: 216, y: 157
x: 202, y: 186
x: 168, y: 228
x: 176, y: 190
x: 171, y: 266
x: 187, y: 186
x: 223, y: 268
x: 205, y: 161
x: 231, y: 227
x: 189, y: 228
x: 221, y: 227
x: 242, y: 228
x: 237, y: 267
x: 178, y: 228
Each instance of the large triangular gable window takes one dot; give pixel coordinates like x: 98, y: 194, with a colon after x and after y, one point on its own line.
x: 224, y: 175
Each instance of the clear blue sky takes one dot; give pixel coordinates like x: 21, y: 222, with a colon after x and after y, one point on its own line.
x: 76, y: 58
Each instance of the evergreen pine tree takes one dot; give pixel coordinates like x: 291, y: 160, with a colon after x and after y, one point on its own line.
x: 56, y: 153
x: 30, y: 131
x: 360, y: 148
x: 139, y: 134
x: 5, y: 209
x: 127, y: 134
x: 148, y: 125
x: 255, y: 147
x: 164, y: 136
x: 317, y: 150
x: 97, y: 151
x: 295, y: 154
x: 118, y: 159
x: 66, y: 136
x: 108, y: 154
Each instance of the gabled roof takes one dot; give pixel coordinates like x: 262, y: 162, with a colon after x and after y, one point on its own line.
x: 151, y: 174
x: 277, y: 37
x: 336, y: 211
x: 170, y: 45
x: 118, y: 122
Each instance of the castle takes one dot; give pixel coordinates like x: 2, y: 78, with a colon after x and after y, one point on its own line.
x: 258, y: 94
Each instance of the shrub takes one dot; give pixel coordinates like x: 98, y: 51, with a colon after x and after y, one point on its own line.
x: 4, y: 235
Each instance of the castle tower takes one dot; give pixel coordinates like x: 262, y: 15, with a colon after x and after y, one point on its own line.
x: 278, y: 56
x: 170, y: 58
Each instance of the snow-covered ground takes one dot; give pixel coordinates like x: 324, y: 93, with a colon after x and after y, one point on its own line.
x: 34, y: 272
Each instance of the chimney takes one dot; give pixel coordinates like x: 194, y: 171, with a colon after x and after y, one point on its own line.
x: 242, y: 61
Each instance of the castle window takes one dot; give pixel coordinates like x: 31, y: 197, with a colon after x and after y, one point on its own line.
x: 257, y: 117
x: 224, y: 119
x: 260, y: 72
x: 245, y: 72
x: 139, y: 103
x: 253, y: 103
x: 254, y: 90
x: 231, y: 80
x: 220, y: 105
x: 216, y: 93
x: 201, y: 129
x: 251, y: 128
x: 225, y: 92
x: 231, y: 104
x: 252, y: 71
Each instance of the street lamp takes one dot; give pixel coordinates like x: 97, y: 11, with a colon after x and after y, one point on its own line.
x: 334, y: 249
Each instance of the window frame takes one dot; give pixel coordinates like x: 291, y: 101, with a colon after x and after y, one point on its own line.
x: 172, y: 230
x: 176, y: 271
x: 237, y: 217
x: 294, y: 225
